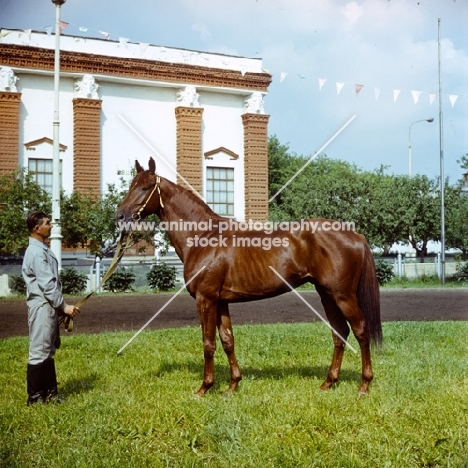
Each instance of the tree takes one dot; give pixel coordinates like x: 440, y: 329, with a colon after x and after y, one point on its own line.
x: 281, y: 167
x: 456, y: 220
x: 19, y: 195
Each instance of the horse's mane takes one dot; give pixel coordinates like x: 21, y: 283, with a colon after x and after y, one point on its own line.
x: 188, y: 204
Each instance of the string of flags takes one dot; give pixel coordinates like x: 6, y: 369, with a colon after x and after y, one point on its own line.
x: 416, y: 94
x: 64, y: 24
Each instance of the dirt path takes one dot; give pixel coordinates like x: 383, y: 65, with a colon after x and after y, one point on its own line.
x: 122, y: 312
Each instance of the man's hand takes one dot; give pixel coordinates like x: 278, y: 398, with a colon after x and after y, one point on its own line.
x: 71, y: 310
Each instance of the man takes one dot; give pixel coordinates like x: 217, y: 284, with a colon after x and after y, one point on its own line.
x: 45, y: 304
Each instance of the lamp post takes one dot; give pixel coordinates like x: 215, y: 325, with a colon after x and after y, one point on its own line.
x: 56, y: 235
x: 409, y: 141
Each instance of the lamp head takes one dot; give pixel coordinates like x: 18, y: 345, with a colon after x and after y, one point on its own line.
x: 58, y: 2
x: 430, y: 120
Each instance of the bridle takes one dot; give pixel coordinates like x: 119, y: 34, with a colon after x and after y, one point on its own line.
x: 157, y: 186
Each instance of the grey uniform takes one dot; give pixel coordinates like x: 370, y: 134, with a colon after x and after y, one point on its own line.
x: 44, y: 300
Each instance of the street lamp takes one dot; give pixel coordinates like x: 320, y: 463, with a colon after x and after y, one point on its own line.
x: 56, y: 235
x: 409, y: 142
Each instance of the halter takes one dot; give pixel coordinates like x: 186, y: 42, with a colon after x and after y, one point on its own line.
x: 157, y: 186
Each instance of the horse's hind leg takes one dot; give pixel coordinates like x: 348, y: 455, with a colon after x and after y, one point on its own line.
x: 353, y: 314
x: 340, y: 331
x: 227, y: 339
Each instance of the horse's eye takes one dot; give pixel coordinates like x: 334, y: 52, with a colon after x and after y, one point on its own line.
x: 145, y: 189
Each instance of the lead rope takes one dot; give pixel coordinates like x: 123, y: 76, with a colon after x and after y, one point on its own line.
x: 119, y: 251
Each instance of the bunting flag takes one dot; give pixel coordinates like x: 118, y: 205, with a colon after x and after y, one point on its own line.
x: 357, y: 88
x: 453, y: 98
x: 431, y: 98
x: 48, y: 30
x: 339, y: 87
x: 83, y: 29
x: 63, y: 25
x: 321, y: 83
x: 105, y: 34
x: 283, y: 76
x: 376, y: 93
x: 123, y: 41
x: 416, y: 95
x: 396, y: 93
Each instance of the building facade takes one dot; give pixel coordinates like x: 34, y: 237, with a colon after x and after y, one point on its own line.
x: 199, y: 115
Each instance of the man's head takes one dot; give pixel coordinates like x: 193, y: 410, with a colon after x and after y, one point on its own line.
x: 39, y: 225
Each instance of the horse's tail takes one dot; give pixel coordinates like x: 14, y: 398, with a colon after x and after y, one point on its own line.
x: 368, y: 295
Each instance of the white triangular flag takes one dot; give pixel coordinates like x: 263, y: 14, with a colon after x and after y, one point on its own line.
x: 123, y: 41
x: 376, y: 93
x: 339, y: 87
x: 416, y: 95
x: 431, y: 97
x: 105, y: 34
x: 83, y: 29
x: 396, y: 93
x: 453, y: 98
x: 283, y: 76
x: 321, y: 83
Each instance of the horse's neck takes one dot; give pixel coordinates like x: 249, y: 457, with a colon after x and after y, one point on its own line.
x: 180, y: 205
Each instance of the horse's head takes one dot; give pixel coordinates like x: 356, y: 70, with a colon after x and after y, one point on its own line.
x: 143, y: 196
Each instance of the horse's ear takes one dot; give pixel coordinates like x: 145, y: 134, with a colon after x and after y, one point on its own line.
x: 138, y: 167
x: 152, y: 165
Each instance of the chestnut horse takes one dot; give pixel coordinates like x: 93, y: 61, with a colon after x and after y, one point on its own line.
x: 219, y: 269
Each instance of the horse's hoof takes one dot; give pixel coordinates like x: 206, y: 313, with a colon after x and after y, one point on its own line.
x: 362, y: 394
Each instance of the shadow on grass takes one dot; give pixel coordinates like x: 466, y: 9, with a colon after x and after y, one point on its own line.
x: 78, y: 386
x: 222, y: 372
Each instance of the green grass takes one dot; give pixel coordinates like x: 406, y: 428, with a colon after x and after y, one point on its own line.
x: 138, y: 409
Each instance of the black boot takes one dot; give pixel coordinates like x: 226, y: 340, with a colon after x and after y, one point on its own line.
x: 51, y: 382
x: 35, y: 384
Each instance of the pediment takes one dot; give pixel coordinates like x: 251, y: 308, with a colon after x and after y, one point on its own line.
x: 221, y: 150
x: 32, y: 145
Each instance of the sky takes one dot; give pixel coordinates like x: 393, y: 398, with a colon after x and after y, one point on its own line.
x: 370, y: 63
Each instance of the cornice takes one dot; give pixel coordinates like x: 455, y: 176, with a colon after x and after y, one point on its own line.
x: 18, y: 56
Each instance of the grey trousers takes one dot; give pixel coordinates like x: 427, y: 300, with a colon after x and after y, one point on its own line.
x: 43, y: 333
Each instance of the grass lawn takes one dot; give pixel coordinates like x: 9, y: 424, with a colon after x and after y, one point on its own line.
x: 138, y: 409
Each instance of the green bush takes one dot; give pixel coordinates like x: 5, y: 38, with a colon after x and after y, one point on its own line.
x: 462, y: 272
x: 161, y: 277
x: 17, y: 284
x: 121, y: 280
x: 73, y: 282
x: 384, y: 271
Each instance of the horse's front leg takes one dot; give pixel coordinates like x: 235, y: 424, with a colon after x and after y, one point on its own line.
x: 207, y: 311
x: 227, y: 339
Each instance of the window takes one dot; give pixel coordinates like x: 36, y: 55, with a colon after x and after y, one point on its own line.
x: 42, y: 169
x: 220, y: 190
